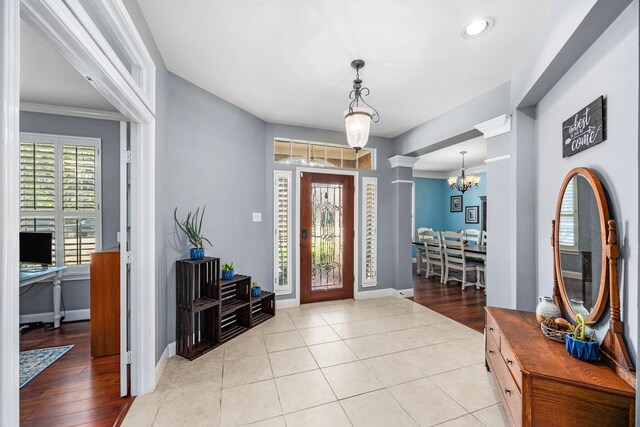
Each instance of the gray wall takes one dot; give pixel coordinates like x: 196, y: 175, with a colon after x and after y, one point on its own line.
x: 214, y: 157
x: 610, y: 68
x: 76, y: 293
x: 384, y: 150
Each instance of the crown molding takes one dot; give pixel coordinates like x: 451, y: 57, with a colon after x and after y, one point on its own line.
x: 431, y: 175
x: 496, y: 126
x: 402, y: 161
x: 34, y: 107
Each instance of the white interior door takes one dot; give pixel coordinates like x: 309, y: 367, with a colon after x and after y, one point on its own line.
x: 125, y: 258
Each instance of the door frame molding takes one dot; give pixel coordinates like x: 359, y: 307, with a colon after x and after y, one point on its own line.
x: 71, y: 39
x: 356, y: 223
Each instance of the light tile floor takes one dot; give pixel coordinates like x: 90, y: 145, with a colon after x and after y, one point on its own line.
x: 374, y: 362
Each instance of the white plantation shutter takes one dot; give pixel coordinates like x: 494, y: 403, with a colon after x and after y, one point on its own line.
x: 37, y: 176
x: 370, y: 231
x: 78, y: 178
x: 60, y: 193
x: 282, y: 232
x: 568, y: 217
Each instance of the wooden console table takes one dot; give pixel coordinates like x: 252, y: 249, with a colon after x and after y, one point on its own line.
x: 542, y: 385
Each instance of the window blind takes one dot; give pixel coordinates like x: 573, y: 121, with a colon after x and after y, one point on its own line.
x: 370, y: 213
x: 59, y: 193
x: 568, y: 221
x: 282, y: 219
x: 37, y: 176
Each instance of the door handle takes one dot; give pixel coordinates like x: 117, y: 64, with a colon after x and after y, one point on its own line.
x: 304, y: 233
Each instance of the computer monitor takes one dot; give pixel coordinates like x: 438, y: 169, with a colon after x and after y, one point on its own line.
x: 35, y: 248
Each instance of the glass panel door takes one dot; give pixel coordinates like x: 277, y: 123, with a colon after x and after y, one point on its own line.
x: 326, y: 237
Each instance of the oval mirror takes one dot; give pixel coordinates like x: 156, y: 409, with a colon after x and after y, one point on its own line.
x: 580, y: 240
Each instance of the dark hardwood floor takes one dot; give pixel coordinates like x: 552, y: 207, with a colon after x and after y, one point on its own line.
x: 466, y: 307
x: 76, y: 389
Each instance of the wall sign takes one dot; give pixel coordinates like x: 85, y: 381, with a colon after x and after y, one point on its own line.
x: 585, y: 129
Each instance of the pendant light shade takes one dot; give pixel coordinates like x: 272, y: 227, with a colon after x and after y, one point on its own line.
x: 357, y: 119
x: 358, y: 124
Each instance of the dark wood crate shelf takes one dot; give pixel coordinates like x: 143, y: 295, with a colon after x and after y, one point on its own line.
x: 202, y: 347
x: 236, y: 279
x: 203, y: 304
x: 232, y: 331
x: 260, y: 317
x: 231, y: 305
x: 210, y: 311
x: 264, y: 294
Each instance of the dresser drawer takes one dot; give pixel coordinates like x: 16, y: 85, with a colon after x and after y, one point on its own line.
x: 511, y: 363
x: 511, y: 396
x: 492, y: 352
x: 492, y: 331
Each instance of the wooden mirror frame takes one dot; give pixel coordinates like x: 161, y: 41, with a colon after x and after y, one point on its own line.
x: 612, y: 346
x: 603, y: 211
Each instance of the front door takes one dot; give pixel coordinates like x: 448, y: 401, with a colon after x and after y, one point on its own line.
x: 326, y: 237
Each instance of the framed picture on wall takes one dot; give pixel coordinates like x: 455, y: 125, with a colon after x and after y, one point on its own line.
x: 471, y: 215
x: 456, y: 204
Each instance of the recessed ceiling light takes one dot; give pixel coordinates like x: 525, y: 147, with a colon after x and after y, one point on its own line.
x: 477, y: 28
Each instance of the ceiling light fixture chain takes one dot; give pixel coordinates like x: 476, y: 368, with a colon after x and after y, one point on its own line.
x: 358, y: 117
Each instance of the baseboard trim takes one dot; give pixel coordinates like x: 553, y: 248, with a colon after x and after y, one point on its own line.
x: 169, y: 351
x: 374, y: 293
x: 286, y: 303
x: 70, y: 316
x: 403, y: 293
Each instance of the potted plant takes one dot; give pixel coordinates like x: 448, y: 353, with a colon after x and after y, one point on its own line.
x: 192, y: 227
x: 256, y: 291
x: 579, y: 344
x: 227, y: 271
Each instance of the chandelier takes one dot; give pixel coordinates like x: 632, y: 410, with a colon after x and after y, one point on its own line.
x: 463, y: 182
x: 357, y: 119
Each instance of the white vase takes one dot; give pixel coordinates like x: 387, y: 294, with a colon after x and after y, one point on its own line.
x: 546, y: 309
x: 578, y: 307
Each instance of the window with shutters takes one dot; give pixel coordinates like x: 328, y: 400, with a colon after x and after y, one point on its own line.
x: 568, y: 228
x: 60, y: 194
x: 370, y: 231
x: 282, y: 232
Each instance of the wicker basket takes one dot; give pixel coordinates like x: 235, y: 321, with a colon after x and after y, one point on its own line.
x: 554, y: 334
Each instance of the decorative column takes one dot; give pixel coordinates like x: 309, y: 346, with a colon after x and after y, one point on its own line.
x: 511, y: 263
x: 402, y: 191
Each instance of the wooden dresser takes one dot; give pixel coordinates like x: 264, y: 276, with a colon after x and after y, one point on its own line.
x: 105, y: 302
x: 542, y: 385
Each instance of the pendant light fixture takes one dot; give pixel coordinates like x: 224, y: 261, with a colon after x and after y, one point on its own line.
x: 463, y: 183
x: 358, y: 118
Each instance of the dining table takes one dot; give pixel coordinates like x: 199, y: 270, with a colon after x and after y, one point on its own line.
x: 473, y: 251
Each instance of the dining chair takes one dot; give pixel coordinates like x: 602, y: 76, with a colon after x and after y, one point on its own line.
x: 421, y: 250
x: 434, y: 254
x: 481, y: 276
x: 472, y: 236
x: 483, y: 239
x: 455, y: 259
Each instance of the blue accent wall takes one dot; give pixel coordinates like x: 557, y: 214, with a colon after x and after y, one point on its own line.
x: 454, y: 221
x: 433, y: 201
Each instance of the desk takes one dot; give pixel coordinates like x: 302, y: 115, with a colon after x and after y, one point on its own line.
x: 31, y: 276
x: 474, y: 251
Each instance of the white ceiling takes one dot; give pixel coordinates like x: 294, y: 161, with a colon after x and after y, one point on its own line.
x: 287, y: 61
x: 47, y: 78
x: 449, y: 159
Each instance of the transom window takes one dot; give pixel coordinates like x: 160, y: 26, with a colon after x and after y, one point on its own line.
x: 318, y: 154
x: 60, y: 194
